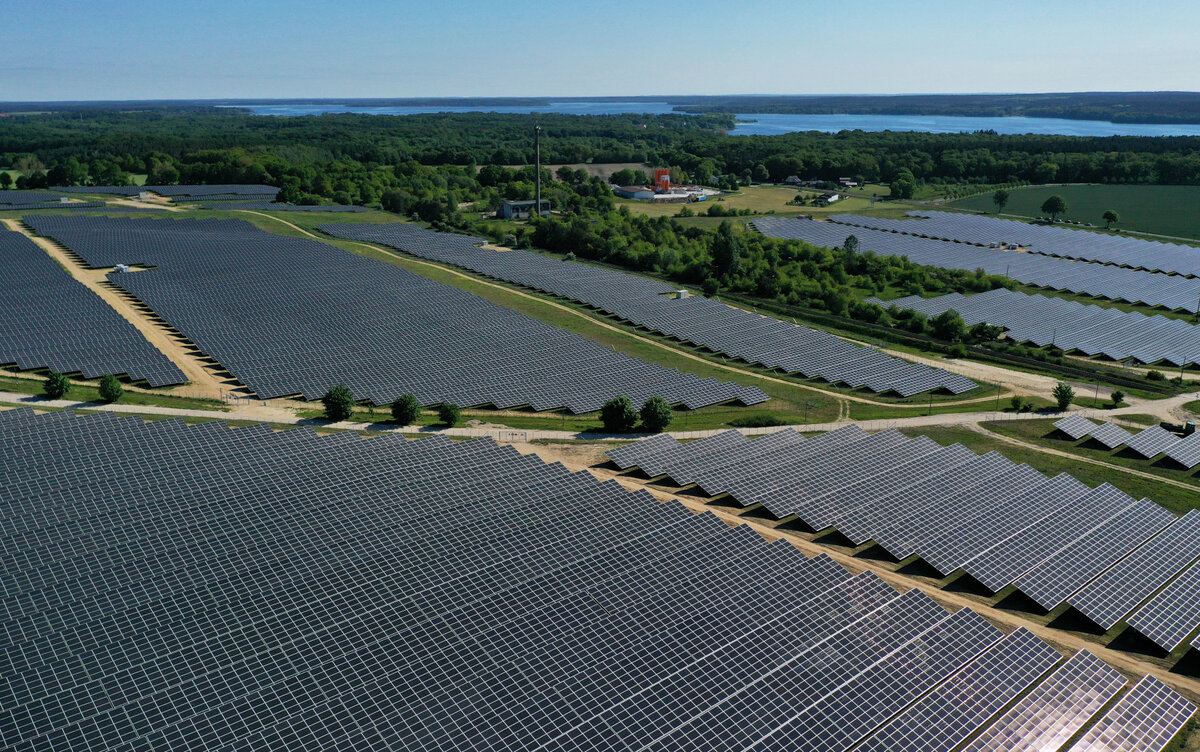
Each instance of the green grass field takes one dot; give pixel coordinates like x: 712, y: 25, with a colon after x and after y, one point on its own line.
x: 758, y: 198
x: 1161, y: 209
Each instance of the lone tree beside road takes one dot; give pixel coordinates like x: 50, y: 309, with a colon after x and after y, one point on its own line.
x: 1054, y: 206
x: 1063, y: 395
x: 110, y: 388
x: 618, y: 415
x: 339, y: 403
x: 1110, y: 218
x: 405, y: 409
x: 656, y: 415
x: 1000, y: 199
x: 56, y: 385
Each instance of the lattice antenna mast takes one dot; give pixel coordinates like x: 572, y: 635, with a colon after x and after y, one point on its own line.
x: 537, y: 167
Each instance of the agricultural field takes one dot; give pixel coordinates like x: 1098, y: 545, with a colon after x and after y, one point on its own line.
x: 1159, y: 209
x: 763, y: 199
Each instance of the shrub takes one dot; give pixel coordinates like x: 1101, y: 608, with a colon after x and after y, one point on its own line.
x: 405, y: 410
x: 1155, y: 376
x: 449, y: 414
x: 110, y: 388
x: 656, y: 415
x: 618, y: 415
x: 338, y: 402
x: 1017, y: 402
x: 56, y: 385
x: 757, y: 421
x: 1063, y: 395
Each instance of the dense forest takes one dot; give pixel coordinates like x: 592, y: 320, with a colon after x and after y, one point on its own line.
x: 354, y: 156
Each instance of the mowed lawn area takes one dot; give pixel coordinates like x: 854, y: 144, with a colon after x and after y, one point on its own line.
x: 1161, y: 209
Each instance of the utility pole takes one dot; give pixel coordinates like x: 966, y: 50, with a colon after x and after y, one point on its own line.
x: 537, y: 161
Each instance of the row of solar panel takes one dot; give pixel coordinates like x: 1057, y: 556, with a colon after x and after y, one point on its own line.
x: 1069, y: 325
x: 271, y: 206
x: 327, y: 316
x: 1054, y: 539
x: 195, y: 587
x: 696, y: 320
x: 1136, y: 253
x: 49, y: 320
x: 1149, y: 442
x: 1097, y: 280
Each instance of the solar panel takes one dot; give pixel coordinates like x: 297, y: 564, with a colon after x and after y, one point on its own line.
x: 733, y: 332
x: 329, y: 317
x: 1152, y: 441
x: 1075, y: 425
x: 949, y: 715
x: 197, y: 587
x: 1186, y: 451
x: 1110, y: 435
x: 1119, y: 590
x: 1055, y: 710
x: 50, y: 320
x: 1145, y: 720
x: 1173, y: 614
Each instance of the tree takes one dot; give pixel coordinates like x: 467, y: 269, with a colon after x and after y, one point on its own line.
x: 948, y: 325
x: 984, y: 332
x: 850, y: 245
x: 1000, y: 199
x: 449, y: 414
x: 338, y: 402
x: 405, y: 409
x: 656, y: 415
x: 1117, y: 397
x: 110, y: 388
x: 727, y: 251
x: 760, y: 173
x: 618, y: 415
x: 56, y: 385
x: 6, y: 180
x: 1063, y: 395
x: 1017, y: 402
x: 1054, y: 206
x: 710, y: 286
x: 1110, y: 218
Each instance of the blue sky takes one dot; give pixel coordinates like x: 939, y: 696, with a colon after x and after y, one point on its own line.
x: 170, y: 49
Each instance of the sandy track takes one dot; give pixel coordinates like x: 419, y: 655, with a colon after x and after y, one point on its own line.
x: 204, y: 383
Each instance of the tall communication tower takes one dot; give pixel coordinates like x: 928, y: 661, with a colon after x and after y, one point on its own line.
x: 537, y: 162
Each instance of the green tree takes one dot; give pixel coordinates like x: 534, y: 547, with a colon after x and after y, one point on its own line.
x: 656, y: 415
x: 1000, y: 199
x: 1063, y: 395
x: 727, y: 251
x: 983, y: 332
x: 449, y: 414
x: 850, y: 245
x: 110, y: 388
x: 56, y: 385
x: 948, y: 325
x: 338, y: 402
x: 1054, y: 206
x: 1110, y: 218
x: 1017, y: 402
x: 1117, y: 397
x: 405, y: 409
x: 760, y: 173
x: 618, y: 415
x: 6, y: 180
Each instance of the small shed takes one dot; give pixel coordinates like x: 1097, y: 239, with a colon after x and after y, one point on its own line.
x: 521, y: 209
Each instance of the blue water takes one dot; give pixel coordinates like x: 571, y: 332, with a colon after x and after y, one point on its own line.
x: 774, y: 124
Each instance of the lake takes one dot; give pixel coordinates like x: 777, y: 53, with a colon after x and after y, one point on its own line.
x: 774, y: 124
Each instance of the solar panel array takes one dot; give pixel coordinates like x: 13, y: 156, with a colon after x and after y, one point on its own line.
x: 1097, y: 280
x: 1185, y: 451
x: 15, y: 198
x: 206, y: 192
x: 1000, y: 522
x: 697, y: 320
x: 290, y: 315
x: 1144, y: 720
x: 1075, y: 425
x: 1069, y: 325
x: 242, y: 589
x: 113, y: 190
x: 49, y: 320
x: 271, y: 206
x: 1136, y: 253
